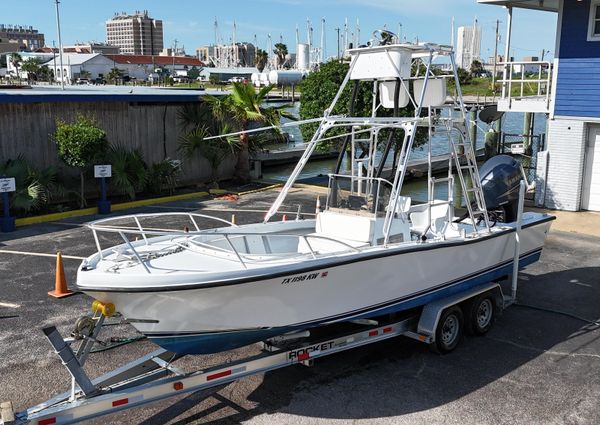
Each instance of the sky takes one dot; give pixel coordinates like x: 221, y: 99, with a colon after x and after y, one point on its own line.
x: 191, y: 23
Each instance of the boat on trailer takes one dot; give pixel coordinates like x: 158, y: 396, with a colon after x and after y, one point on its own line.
x: 369, y: 252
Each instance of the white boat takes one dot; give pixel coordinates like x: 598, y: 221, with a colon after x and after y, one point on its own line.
x: 368, y: 252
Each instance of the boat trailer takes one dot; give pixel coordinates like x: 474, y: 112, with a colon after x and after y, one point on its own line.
x: 155, y: 376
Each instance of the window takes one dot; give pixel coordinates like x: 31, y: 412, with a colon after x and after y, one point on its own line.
x: 594, y: 22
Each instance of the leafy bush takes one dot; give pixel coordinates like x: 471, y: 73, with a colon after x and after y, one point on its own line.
x: 79, y: 143
x: 34, y: 187
x: 129, y: 172
x: 163, y: 176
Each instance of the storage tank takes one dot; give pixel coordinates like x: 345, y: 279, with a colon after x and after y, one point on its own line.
x: 255, y: 79
x: 302, y: 56
x: 285, y: 78
x: 263, y: 78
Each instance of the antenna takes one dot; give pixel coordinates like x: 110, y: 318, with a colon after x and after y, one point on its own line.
x: 297, y: 37
x: 357, y: 33
x: 452, y: 35
x: 345, y: 34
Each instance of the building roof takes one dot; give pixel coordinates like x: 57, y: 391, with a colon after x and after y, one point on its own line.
x: 156, y: 60
x: 548, y: 5
x: 108, y: 93
x: 73, y: 58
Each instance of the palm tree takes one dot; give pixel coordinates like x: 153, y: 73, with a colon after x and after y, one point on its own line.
x: 281, y: 51
x: 261, y: 59
x: 16, y: 59
x: 244, y: 106
x: 217, y: 115
x: 114, y: 75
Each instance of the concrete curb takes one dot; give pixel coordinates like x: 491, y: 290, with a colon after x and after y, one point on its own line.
x: 132, y: 204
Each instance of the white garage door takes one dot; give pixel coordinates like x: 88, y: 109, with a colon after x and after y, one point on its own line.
x: 591, y: 177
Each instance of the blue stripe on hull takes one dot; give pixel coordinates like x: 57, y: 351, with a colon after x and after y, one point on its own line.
x: 215, y: 342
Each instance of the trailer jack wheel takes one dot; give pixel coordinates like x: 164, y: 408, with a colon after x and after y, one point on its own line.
x: 449, y: 330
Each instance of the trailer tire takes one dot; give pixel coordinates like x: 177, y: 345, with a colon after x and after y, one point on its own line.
x: 449, y: 330
x: 481, y: 313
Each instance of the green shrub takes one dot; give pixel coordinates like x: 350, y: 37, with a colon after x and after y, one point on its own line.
x: 79, y: 143
x: 129, y: 171
x: 163, y: 176
x: 34, y: 187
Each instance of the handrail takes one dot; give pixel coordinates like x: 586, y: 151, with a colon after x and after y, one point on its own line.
x: 507, y: 82
x: 100, y: 226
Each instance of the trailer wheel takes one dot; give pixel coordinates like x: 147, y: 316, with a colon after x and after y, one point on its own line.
x: 481, y: 314
x: 449, y: 330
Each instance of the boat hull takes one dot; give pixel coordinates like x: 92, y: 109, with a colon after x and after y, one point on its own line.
x: 214, y: 317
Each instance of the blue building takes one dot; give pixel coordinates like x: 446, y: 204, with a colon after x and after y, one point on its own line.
x: 569, y: 93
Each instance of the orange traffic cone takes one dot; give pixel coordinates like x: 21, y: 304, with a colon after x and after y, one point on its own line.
x: 60, y: 285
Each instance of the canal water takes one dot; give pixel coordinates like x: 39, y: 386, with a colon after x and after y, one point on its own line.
x: 511, y: 124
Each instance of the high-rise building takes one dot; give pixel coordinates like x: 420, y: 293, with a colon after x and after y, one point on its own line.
x: 25, y: 37
x: 468, y: 46
x: 136, y: 34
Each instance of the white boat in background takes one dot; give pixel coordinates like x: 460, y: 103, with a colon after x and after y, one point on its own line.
x: 369, y: 252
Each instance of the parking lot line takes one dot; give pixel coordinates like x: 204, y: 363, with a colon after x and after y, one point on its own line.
x: 40, y: 254
x: 9, y: 305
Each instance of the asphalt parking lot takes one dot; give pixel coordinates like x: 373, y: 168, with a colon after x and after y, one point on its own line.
x: 536, y: 365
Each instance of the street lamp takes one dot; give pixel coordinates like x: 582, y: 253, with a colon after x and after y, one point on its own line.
x: 60, y: 46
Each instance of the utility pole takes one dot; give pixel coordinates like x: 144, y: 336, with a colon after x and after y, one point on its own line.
x: 323, y: 52
x: 399, y: 32
x: 496, y: 56
x: 174, y: 49
x: 338, y: 42
x: 54, y: 57
x: 60, y: 46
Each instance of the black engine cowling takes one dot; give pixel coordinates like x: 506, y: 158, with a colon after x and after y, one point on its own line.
x: 500, y: 179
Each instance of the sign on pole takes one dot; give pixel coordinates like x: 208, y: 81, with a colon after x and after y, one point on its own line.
x: 102, y: 171
x: 7, y: 185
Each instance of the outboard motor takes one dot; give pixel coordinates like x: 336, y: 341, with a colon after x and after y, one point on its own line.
x: 500, y: 179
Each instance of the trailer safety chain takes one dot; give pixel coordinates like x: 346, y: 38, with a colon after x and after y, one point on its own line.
x: 118, y: 342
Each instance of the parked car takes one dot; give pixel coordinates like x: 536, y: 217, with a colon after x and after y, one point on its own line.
x: 99, y: 81
x: 82, y: 81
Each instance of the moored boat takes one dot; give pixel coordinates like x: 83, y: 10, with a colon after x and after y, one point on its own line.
x: 369, y: 252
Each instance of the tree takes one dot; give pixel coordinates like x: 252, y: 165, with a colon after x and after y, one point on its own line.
x: 33, y: 68
x: 281, y: 51
x: 236, y: 111
x: 194, y: 73
x: 79, y: 143
x: 85, y: 74
x: 262, y: 58
x: 464, y: 77
x: 477, y: 68
x: 16, y: 59
x: 320, y: 87
x: 114, y: 74
x: 214, y: 78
